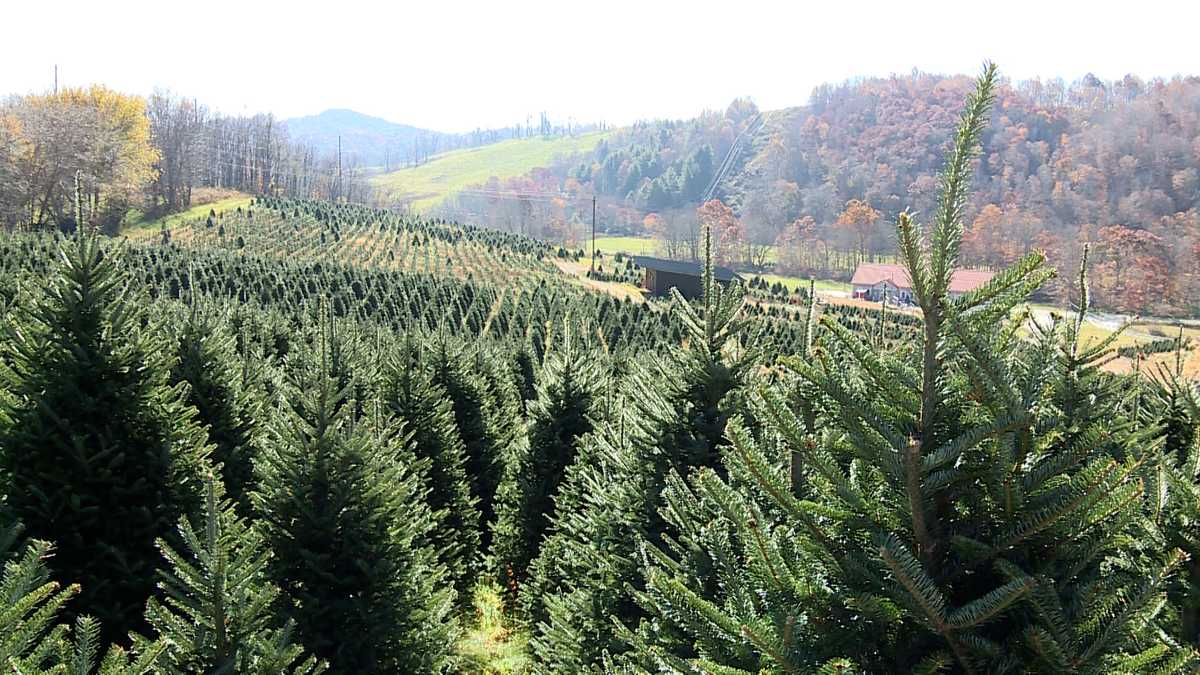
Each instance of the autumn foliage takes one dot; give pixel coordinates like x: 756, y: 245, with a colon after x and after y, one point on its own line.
x: 97, y: 134
x: 1060, y: 162
x: 727, y: 230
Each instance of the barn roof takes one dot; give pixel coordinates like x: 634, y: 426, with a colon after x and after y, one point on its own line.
x: 681, y: 267
x: 961, y: 281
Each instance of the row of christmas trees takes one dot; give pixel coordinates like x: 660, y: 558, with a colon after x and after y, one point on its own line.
x: 527, y: 312
x: 208, y: 516
x: 983, y: 498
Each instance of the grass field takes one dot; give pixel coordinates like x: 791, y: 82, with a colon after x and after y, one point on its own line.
x: 633, y: 245
x: 427, y: 185
x: 792, y: 283
x: 225, y: 202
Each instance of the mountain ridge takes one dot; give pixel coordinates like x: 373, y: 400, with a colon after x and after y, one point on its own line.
x: 365, y: 139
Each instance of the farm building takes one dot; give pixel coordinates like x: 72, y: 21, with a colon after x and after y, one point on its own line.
x: 877, y: 281
x: 661, y: 275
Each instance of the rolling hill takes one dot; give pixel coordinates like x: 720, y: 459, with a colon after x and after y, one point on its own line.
x: 427, y: 185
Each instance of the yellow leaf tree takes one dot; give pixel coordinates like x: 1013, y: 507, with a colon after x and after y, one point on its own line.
x: 100, y: 134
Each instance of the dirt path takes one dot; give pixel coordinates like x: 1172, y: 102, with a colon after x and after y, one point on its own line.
x: 617, y: 290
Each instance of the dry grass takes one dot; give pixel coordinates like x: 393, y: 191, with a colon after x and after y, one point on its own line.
x: 616, y: 289
x: 493, y: 646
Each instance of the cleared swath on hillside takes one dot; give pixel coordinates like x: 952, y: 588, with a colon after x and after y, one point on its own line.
x: 427, y: 185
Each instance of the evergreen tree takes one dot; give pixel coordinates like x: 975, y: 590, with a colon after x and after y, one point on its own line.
x: 226, y: 397
x: 101, y: 455
x: 31, y: 642
x: 216, y: 608
x: 567, y: 393
x: 524, y: 370
x: 426, y: 413
x: 952, y: 514
x: 1173, y: 480
x: 342, y: 509
x: 670, y: 417
x: 29, y: 604
x: 84, y: 656
x: 477, y: 419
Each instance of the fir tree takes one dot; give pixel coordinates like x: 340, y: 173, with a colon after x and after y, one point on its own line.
x: 426, y: 413
x: 524, y: 374
x: 101, y: 455
x: 670, y: 417
x: 964, y: 506
x: 477, y: 419
x: 342, y: 509
x: 1173, y: 408
x: 29, y: 604
x: 84, y: 655
x: 31, y: 640
x: 225, y: 396
x: 567, y: 396
x: 216, y: 608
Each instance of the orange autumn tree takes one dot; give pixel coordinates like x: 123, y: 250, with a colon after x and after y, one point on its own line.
x: 656, y: 227
x: 982, y: 240
x: 669, y: 241
x: 860, y: 220
x: 1133, y: 274
x: 1181, y: 236
x: 800, y: 247
x: 726, y: 228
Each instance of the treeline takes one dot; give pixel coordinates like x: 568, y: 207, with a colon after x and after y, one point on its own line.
x: 254, y: 154
x: 128, y: 154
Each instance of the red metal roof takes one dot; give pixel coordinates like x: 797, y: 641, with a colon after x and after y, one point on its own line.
x: 963, y: 281
x: 960, y: 282
x: 869, y: 275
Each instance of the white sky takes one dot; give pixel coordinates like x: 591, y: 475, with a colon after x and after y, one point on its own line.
x: 454, y: 66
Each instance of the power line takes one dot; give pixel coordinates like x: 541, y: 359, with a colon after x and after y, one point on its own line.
x: 731, y: 156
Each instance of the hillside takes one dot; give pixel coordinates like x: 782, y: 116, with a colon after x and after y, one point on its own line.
x: 502, y: 283
x: 427, y: 185
x: 1116, y: 164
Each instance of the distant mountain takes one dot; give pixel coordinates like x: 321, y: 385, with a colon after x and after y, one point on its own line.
x: 367, y: 140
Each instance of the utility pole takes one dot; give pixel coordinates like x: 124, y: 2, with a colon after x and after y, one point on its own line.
x: 338, y: 195
x: 56, y: 79
x: 78, y: 206
x: 593, y: 233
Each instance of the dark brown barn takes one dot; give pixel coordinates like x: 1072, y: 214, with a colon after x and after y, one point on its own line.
x: 661, y: 275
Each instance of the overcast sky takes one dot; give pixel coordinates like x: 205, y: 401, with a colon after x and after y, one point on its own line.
x: 453, y: 66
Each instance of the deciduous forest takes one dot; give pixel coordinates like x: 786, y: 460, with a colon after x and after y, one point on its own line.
x: 1112, y: 164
